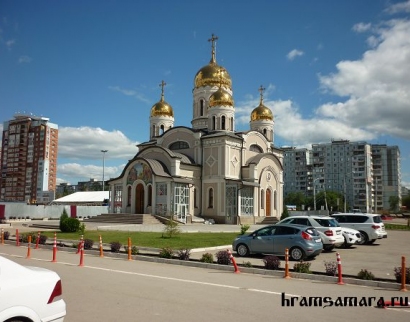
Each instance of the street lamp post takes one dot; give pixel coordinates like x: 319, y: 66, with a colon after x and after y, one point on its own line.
x: 314, y: 193
x: 103, y: 179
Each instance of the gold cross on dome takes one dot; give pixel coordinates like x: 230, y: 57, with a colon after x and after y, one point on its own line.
x: 213, y: 39
x: 162, y: 88
x: 261, y: 90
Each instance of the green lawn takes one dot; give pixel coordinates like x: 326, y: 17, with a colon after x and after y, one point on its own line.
x: 151, y: 239
x: 396, y: 227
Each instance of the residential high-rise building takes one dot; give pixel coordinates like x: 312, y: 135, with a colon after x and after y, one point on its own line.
x: 28, y: 159
x: 366, y: 175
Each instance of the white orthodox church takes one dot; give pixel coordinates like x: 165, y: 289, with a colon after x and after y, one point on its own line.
x: 208, y: 170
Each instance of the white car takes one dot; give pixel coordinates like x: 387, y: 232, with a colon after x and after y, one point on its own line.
x: 328, y: 228
x: 29, y: 294
x: 351, y: 236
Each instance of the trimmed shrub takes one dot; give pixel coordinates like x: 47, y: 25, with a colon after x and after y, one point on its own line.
x: 166, y: 252
x: 184, y: 254
x: 247, y: 264
x: 302, y: 267
x: 24, y: 237
x: 271, y: 262
x: 70, y: 225
x: 88, y: 243
x: 207, y: 258
x: 63, y: 218
x: 397, y: 274
x: 364, y: 274
x: 134, y: 249
x: 330, y: 268
x: 6, y: 235
x: 223, y: 257
x: 43, y: 239
x: 115, y: 247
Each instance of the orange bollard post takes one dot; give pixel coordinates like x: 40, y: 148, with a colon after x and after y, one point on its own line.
x: 233, y: 261
x: 29, y: 247
x: 17, y: 238
x: 38, y: 240
x: 55, y: 248
x: 403, y: 274
x: 81, y: 253
x: 339, y: 270
x: 286, y: 264
x: 129, y: 248
x: 101, y: 248
x: 79, y: 244
x: 2, y: 236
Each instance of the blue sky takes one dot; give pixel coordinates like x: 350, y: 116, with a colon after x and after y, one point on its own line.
x: 331, y: 69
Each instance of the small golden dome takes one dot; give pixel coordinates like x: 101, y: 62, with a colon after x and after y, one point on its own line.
x: 261, y: 112
x: 220, y: 98
x: 212, y: 75
x: 162, y: 108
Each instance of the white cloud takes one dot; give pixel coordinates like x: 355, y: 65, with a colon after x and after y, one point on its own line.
x: 399, y: 7
x: 86, y: 172
x: 25, y: 59
x: 86, y: 143
x: 361, y: 27
x: 130, y: 92
x: 376, y: 87
x: 294, y: 53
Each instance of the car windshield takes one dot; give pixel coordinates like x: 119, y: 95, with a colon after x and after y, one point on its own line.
x: 328, y: 222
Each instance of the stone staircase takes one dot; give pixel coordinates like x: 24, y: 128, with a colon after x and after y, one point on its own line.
x: 126, y: 219
x: 268, y: 221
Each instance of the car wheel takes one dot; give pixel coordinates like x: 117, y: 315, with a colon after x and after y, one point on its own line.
x: 370, y: 242
x: 328, y: 248
x: 242, y: 250
x: 364, y: 239
x: 296, y: 254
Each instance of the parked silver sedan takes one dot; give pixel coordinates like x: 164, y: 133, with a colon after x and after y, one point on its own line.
x: 301, y: 241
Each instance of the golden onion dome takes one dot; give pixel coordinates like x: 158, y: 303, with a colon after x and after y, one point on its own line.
x: 220, y: 98
x: 162, y: 108
x: 212, y: 74
x: 261, y: 112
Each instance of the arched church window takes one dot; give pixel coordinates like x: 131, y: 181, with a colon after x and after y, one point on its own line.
x: 231, y: 124
x: 195, y: 200
x: 265, y: 132
x: 223, y: 122
x: 255, y: 148
x: 150, y: 195
x: 153, y: 130
x: 213, y: 123
x: 179, y: 145
x: 262, y: 199
x: 211, y: 198
x: 129, y: 196
x: 201, y: 107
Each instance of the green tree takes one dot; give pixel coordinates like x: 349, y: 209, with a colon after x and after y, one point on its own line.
x: 405, y: 201
x: 285, y: 213
x: 295, y: 198
x: 394, y: 203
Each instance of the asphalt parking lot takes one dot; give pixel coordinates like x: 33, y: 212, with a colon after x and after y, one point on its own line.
x: 379, y: 258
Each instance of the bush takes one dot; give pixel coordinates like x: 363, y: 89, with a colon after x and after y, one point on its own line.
x: 88, y: 243
x: 247, y: 264
x: 43, y: 239
x: 207, y: 258
x: 63, y: 218
x: 271, y: 262
x: 330, y: 268
x: 24, y: 237
x: 397, y: 274
x: 244, y: 229
x: 6, y: 235
x: 184, y: 254
x: 115, y: 247
x: 166, y: 252
x: 70, y: 225
x: 285, y: 213
x: 134, y: 249
x: 364, y: 274
x: 302, y: 267
x: 223, y: 257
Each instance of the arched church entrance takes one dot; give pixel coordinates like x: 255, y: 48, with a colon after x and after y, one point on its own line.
x: 139, y: 199
x: 268, y: 202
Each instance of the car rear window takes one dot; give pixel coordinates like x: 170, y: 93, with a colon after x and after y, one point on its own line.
x: 312, y: 231
x: 377, y: 219
x: 328, y: 222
